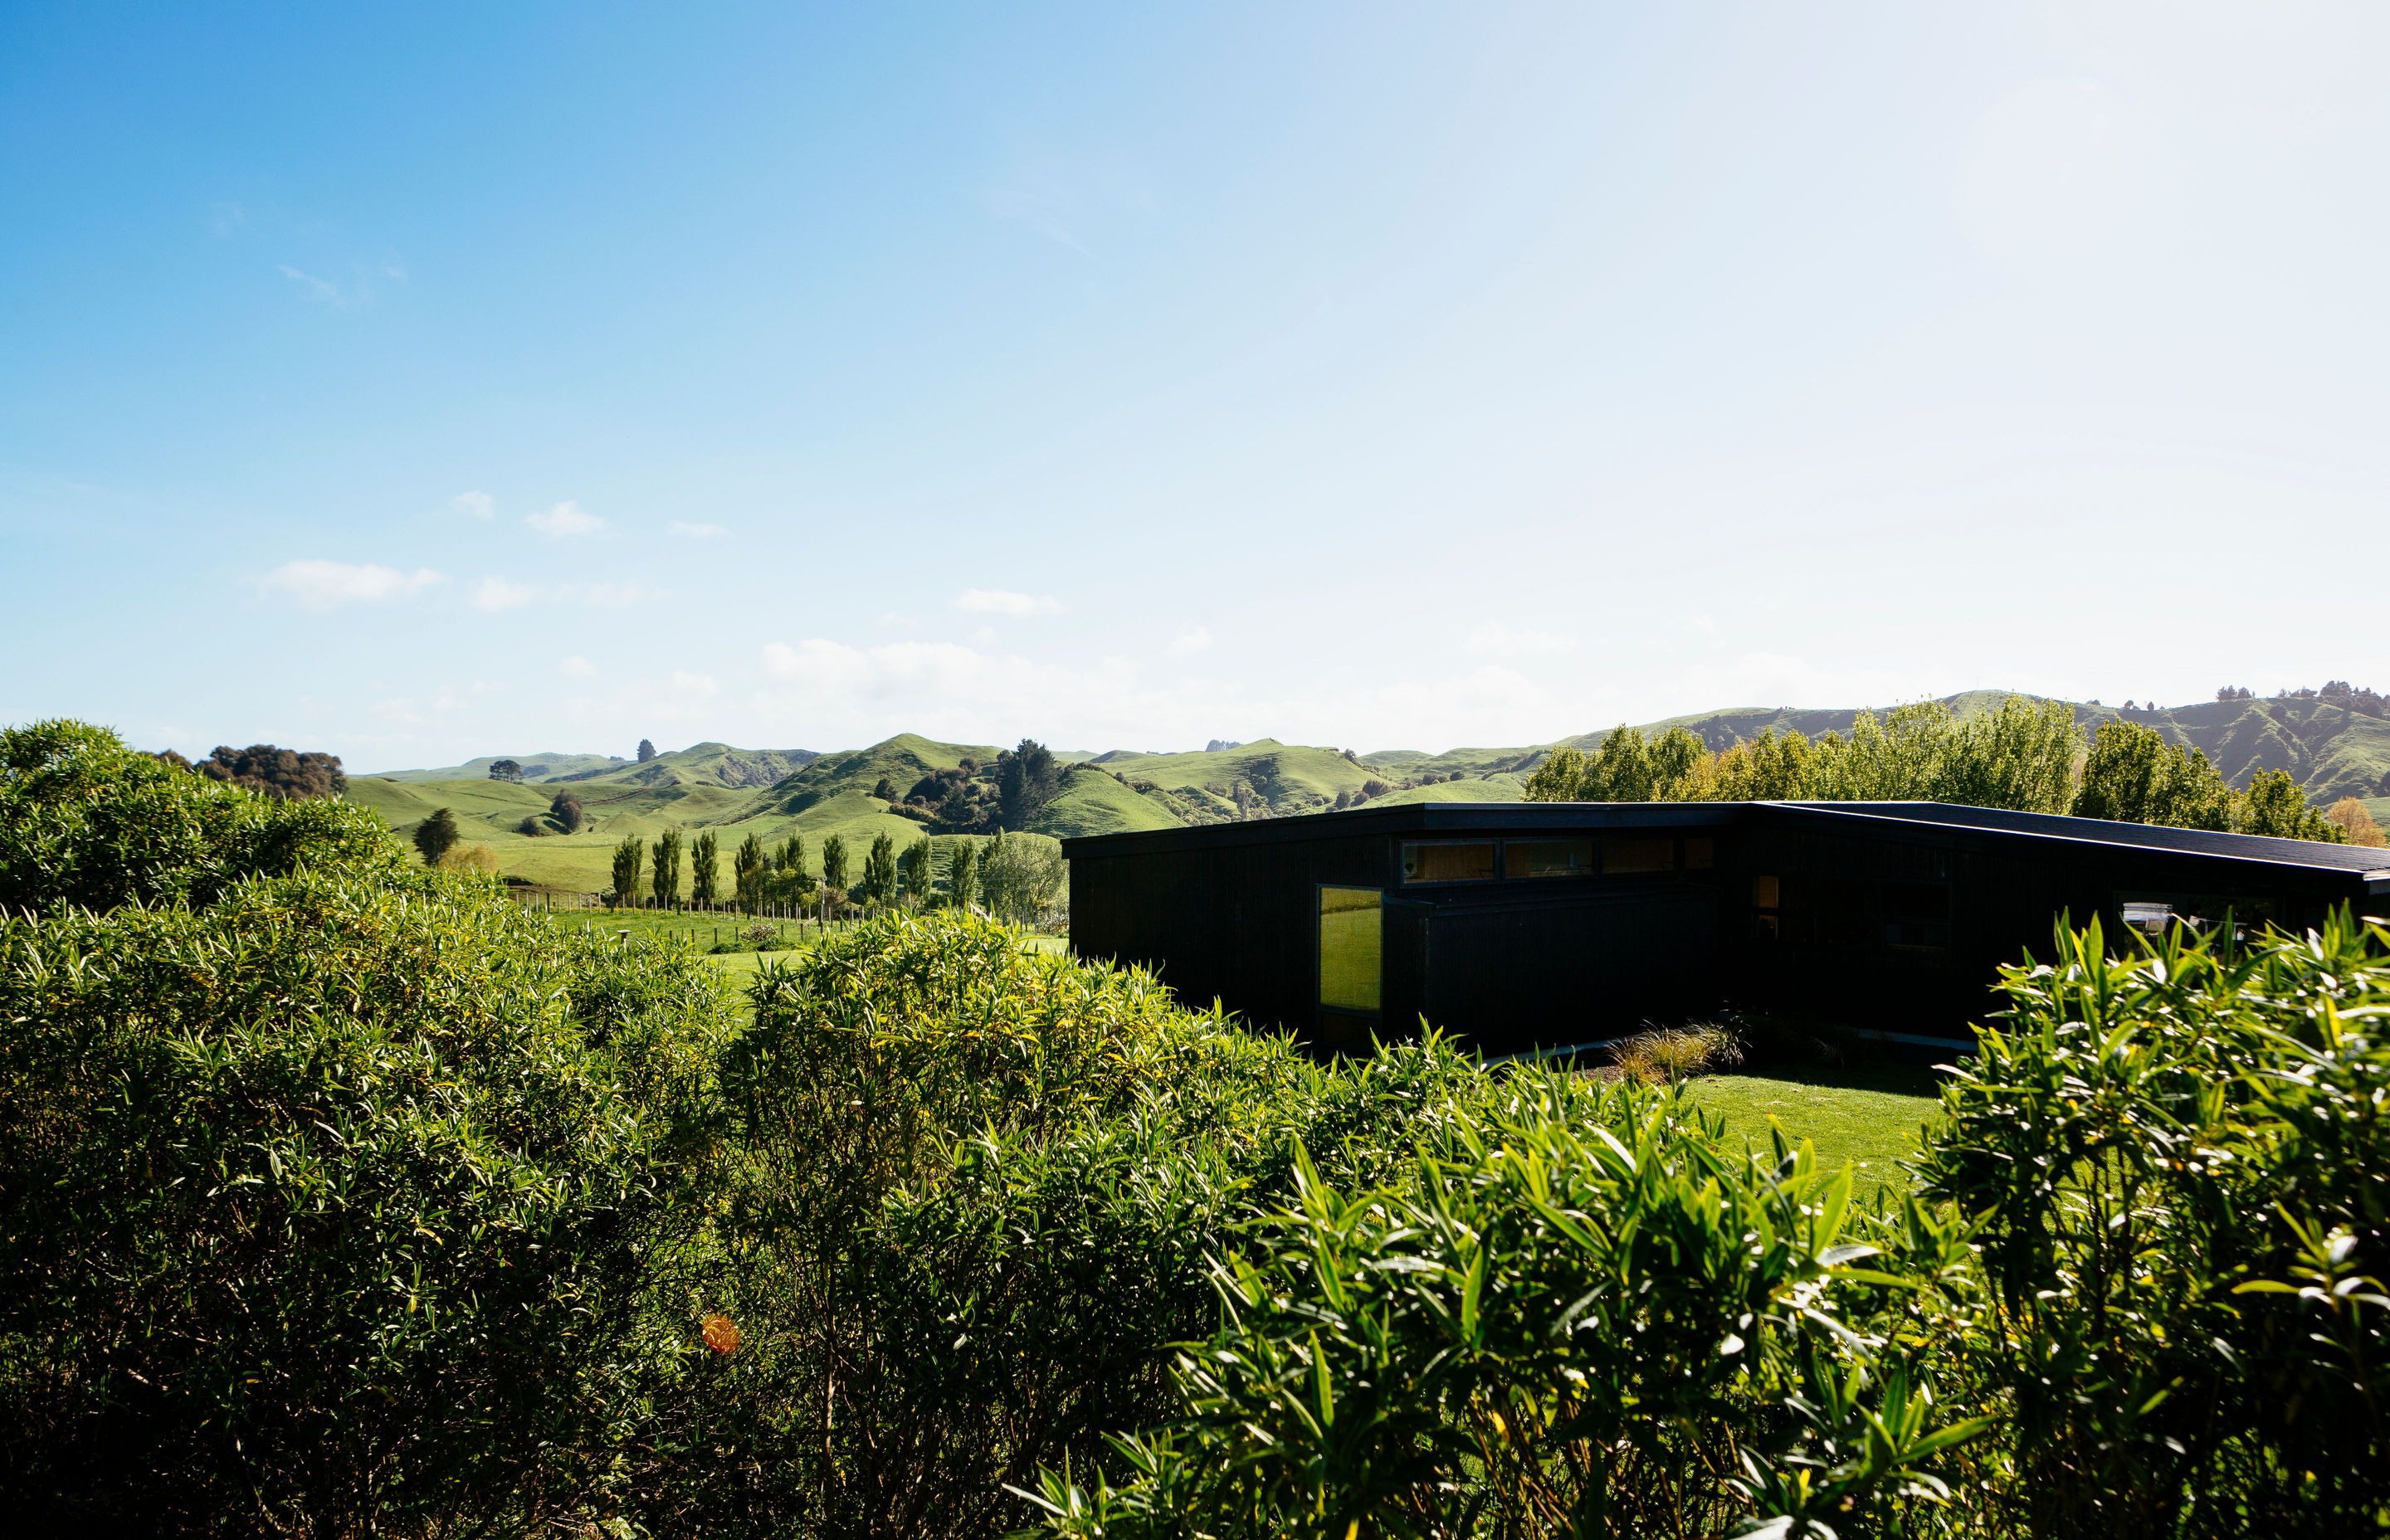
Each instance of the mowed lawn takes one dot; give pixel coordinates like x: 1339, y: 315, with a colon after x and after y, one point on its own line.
x: 743, y: 966
x: 1867, y: 1115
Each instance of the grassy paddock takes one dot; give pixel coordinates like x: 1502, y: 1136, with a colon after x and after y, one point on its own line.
x: 1868, y: 1115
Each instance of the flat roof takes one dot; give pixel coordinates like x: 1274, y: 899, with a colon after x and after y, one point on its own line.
x: 1498, y: 818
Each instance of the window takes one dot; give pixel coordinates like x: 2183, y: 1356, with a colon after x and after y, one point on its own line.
x: 1624, y: 854
x: 1350, y: 943
x: 1448, y: 863
x: 1701, y: 852
x: 1766, y: 920
x: 1916, y: 915
x: 1548, y: 858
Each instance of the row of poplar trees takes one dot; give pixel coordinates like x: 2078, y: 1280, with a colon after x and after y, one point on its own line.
x: 763, y: 877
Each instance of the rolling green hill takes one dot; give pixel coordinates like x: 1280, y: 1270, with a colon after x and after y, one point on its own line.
x: 699, y: 763
x: 2333, y: 752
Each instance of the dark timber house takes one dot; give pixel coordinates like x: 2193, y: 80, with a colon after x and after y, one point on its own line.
x: 1546, y: 924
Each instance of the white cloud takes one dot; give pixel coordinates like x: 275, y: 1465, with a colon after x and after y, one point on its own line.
x: 321, y: 291
x: 474, y: 505
x: 1003, y: 601
x: 358, y: 291
x: 687, y: 683
x: 565, y: 520
x: 605, y: 595
x: 578, y: 667
x: 1500, y: 641
x: 324, y: 584
x: 494, y: 594
x: 1187, y: 643
x: 695, y: 532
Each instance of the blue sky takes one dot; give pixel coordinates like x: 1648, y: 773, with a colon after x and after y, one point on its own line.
x: 421, y: 381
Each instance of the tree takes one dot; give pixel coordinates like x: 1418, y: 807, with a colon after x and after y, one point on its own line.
x: 436, y: 836
x: 2356, y: 823
x: 2274, y: 805
x: 665, y: 872
x: 914, y: 873
x: 962, y: 878
x: 286, y: 773
x: 747, y: 865
x: 1555, y: 781
x: 630, y: 856
x: 1026, y: 779
x: 706, y: 869
x: 2134, y: 775
x: 878, y: 884
x: 647, y: 751
x: 506, y: 770
x: 884, y: 788
x: 1021, y: 875
x: 834, y: 862
x: 566, y: 812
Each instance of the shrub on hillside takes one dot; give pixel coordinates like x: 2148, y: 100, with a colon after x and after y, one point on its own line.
x: 88, y: 822
x: 277, y: 771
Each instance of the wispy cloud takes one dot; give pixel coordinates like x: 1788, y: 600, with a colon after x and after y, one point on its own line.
x: 321, y: 290
x: 1501, y: 641
x: 566, y: 520
x: 493, y: 595
x: 695, y: 532
x: 1003, y: 601
x: 224, y: 218
x: 1187, y: 643
x: 474, y: 505
x: 316, y: 584
x: 358, y: 291
x: 1043, y: 212
x: 606, y: 595
x: 578, y: 667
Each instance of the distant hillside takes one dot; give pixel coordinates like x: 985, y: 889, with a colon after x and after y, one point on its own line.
x: 536, y: 767
x: 700, y: 764
x: 2331, y: 751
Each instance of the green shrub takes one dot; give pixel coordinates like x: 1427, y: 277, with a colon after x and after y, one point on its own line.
x: 977, y: 1194
x: 87, y: 822
x: 1573, y: 1315
x: 2179, y: 1163
x: 336, y: 1207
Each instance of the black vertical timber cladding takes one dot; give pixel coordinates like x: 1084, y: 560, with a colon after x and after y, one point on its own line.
x: 1894, y: 915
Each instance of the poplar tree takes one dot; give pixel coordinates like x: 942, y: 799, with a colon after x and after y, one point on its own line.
x: 629, y: 857
x: 747, y: 873
x: 878, y: 884
x: 665, y: 879
x: 706, y: 869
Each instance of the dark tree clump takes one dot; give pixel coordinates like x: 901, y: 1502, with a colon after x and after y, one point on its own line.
x: 506, y: 770
x: 567, y: 813
x: 436, y: 836
x: 647, y: 751
x: 285, y: 773
x: 1026, y: 779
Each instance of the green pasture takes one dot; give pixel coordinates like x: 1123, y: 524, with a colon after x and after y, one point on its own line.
x: 1867, y: 1115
